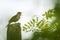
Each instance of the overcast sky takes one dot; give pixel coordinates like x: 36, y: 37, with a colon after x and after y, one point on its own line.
x: 8, y: 8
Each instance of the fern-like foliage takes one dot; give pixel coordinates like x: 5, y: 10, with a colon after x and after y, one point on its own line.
x: 29, y: 26
x: 37, y: 25
x: 49, y: 13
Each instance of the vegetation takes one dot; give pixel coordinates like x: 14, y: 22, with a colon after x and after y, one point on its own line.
x: 48, y: 28
x: 39, y: 25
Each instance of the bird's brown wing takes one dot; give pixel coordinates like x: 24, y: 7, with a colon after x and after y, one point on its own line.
x: 13, y: 19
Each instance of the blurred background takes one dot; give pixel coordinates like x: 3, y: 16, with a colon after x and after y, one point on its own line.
x: 29, y: 8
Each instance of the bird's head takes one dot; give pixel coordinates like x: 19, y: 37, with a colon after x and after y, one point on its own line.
x: 19, y: 13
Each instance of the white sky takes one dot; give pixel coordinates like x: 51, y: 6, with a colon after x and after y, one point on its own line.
x: 8, y: 8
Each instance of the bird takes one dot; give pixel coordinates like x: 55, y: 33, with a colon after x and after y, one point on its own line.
x: 15, y: 18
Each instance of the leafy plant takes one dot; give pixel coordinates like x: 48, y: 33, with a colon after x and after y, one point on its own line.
x: 39, y: 25
x: 49, y: 13
x: 30, y: 25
